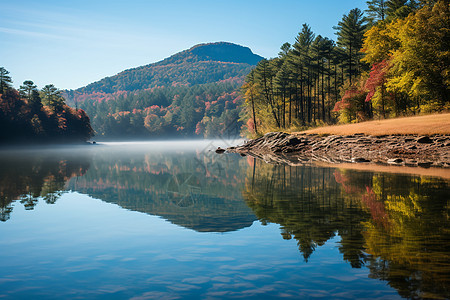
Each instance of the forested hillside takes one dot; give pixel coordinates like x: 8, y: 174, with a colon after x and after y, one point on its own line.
x: 192, y: 93
x: 393, y: 59
x: 39, y: 116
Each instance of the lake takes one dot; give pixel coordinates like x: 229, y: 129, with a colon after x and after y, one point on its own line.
x: 171, y: 220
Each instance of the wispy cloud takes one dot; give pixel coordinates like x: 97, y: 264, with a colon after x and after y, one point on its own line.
x: 93, y: 30
x: 33, y: 34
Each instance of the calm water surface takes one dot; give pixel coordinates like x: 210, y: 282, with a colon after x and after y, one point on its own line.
x: 170, y: 220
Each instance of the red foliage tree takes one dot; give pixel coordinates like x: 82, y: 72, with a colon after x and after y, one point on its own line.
x: 377, y: 78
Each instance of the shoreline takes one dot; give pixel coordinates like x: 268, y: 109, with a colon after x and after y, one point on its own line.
x: 43, y: 145
x: 389, y: 150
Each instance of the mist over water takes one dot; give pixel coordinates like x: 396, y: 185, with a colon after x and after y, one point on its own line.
x: 173, y: 219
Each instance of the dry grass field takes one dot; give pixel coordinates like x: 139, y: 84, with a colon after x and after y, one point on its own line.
x: 421, y: 125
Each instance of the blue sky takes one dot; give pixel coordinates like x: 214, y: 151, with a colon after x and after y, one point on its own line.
x: 73, y: 43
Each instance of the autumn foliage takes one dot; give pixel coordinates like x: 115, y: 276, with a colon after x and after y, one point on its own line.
x: 27, y: 120
x: 393, y: 61
x: 194, y: 93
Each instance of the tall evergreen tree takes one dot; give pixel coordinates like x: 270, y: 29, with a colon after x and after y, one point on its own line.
x: 327, y: 52
x: 350, y: 32
x: 26, y: 90
x: 301, y: 62
x: 51, y: 96
x: 265, y: 77
x: 376, y: 10
x: 281, y: 84
x: 35, y: 102
x: 284, y: 49
x: 250, y: 95
x: 399, y: 8
x: 5, y: 80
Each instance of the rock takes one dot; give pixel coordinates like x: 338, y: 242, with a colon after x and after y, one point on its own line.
x: 395, y: 161
x: 424, y: 164
x: 391, y: 149
x: 359, y: 160
x: 294, y: 141
x: 424, y: 140
x: 220, y: 150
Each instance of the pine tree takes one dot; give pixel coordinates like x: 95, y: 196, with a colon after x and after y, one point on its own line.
x: 376, y: 10
x: 5, y: 80
x: 281, y: 84
x: 350, y: 32
x: 250, y: 95
x: 398, y: 8
x: 27, y: 89
x: 301, y: 63
x: 285, y: 49
x: 51, y: 97
x: 265, y: 75
x: 35, y: 102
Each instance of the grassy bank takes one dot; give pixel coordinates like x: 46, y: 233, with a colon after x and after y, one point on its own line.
x: 420, y: 125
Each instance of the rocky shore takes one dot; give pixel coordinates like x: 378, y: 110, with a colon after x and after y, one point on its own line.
x: 298, y: 149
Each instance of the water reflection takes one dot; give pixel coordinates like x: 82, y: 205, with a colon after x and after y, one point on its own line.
x: 27, y: 178
x: 395, y: 225
x: 197, y: 190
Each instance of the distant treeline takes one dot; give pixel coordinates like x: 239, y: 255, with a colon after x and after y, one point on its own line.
x: 32, y: 115
x: 393, y: 61
x: 202, y: 110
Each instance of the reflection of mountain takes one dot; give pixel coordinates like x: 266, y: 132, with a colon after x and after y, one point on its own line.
x: 395, y: 225
x: 28, y: 176
x: 198, y: 192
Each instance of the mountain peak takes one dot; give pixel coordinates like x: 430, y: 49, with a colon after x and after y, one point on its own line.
x: 219, y: 51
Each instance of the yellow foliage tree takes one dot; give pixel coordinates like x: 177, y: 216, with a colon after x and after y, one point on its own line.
x: 421, y: 66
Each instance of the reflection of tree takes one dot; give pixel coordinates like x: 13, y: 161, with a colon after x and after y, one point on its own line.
x: 307, y: 202
x: 5, y: 212
x: 412, y: 247
x: 29, y: 178
x: 396, y: 225
x: 29, y: 201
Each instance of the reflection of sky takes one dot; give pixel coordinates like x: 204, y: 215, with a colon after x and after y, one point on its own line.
x: 84, y: 247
